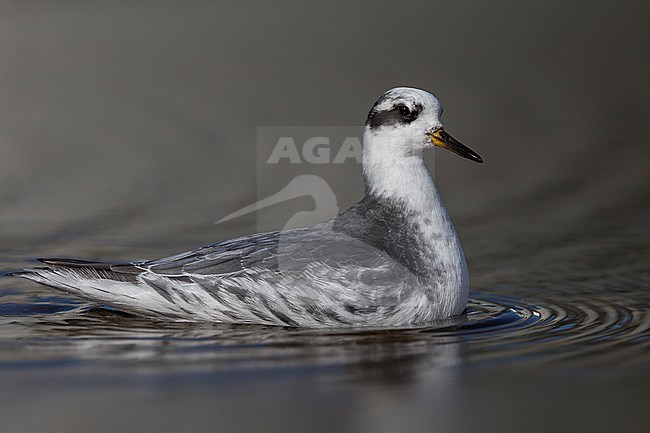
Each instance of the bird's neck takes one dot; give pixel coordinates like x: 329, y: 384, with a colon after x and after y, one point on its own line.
x: 405, y: 179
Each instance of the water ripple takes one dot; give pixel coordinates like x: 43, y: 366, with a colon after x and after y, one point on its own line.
x: 508, y: 327
x: 498, y: 330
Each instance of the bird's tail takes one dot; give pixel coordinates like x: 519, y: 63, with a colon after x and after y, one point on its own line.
x: 114, y: 284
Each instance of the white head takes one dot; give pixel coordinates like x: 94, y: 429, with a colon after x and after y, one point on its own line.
x: 402, y: 123
x: 405, y: 121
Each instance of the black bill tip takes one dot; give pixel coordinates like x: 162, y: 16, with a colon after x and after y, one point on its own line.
x: 442, y: 139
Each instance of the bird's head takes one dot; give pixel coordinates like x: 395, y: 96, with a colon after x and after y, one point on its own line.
x: 406, y: 121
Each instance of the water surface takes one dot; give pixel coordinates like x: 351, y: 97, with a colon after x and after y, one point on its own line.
x: 125, y: 132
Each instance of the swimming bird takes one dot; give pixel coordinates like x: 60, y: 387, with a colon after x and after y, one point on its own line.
x: 391, y: 260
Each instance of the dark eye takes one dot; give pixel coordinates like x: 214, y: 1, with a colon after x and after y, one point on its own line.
x: 404, y: 111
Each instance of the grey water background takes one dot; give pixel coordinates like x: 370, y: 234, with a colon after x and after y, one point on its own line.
x: 128, y: 128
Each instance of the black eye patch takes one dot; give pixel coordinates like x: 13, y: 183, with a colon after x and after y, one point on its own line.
x: 398, y: 114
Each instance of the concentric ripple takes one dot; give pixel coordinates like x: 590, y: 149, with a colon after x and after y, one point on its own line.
x: 505, y: 327
x: 521, y: 329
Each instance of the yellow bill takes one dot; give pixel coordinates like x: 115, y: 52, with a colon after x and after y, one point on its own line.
x: 441, y: 139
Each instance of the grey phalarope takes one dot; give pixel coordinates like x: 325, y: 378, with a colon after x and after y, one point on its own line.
x: 393, y: 259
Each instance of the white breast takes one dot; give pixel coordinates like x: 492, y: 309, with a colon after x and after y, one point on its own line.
x: 393, y: 174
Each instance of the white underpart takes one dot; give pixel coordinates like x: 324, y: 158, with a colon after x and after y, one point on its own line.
x: 394, y: 168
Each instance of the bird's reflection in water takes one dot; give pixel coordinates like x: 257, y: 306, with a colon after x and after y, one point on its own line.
x: 118, y: 340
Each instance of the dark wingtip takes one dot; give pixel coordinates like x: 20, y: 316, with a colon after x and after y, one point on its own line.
x: 22, y: 272
x: 15, y: 273
x: 57, y: 261
x: 50, y: 260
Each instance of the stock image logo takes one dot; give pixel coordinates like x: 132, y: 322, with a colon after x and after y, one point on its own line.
x: 316, y: 150
x: 304, y: 174
x: 302, y: 185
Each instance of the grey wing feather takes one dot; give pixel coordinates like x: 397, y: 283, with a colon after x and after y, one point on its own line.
x: 286, y: 251
x: 311, y: 276
x: 232, y: 256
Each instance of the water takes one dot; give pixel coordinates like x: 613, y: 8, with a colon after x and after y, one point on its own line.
x: 497, y: 329
x: 126, y: 132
